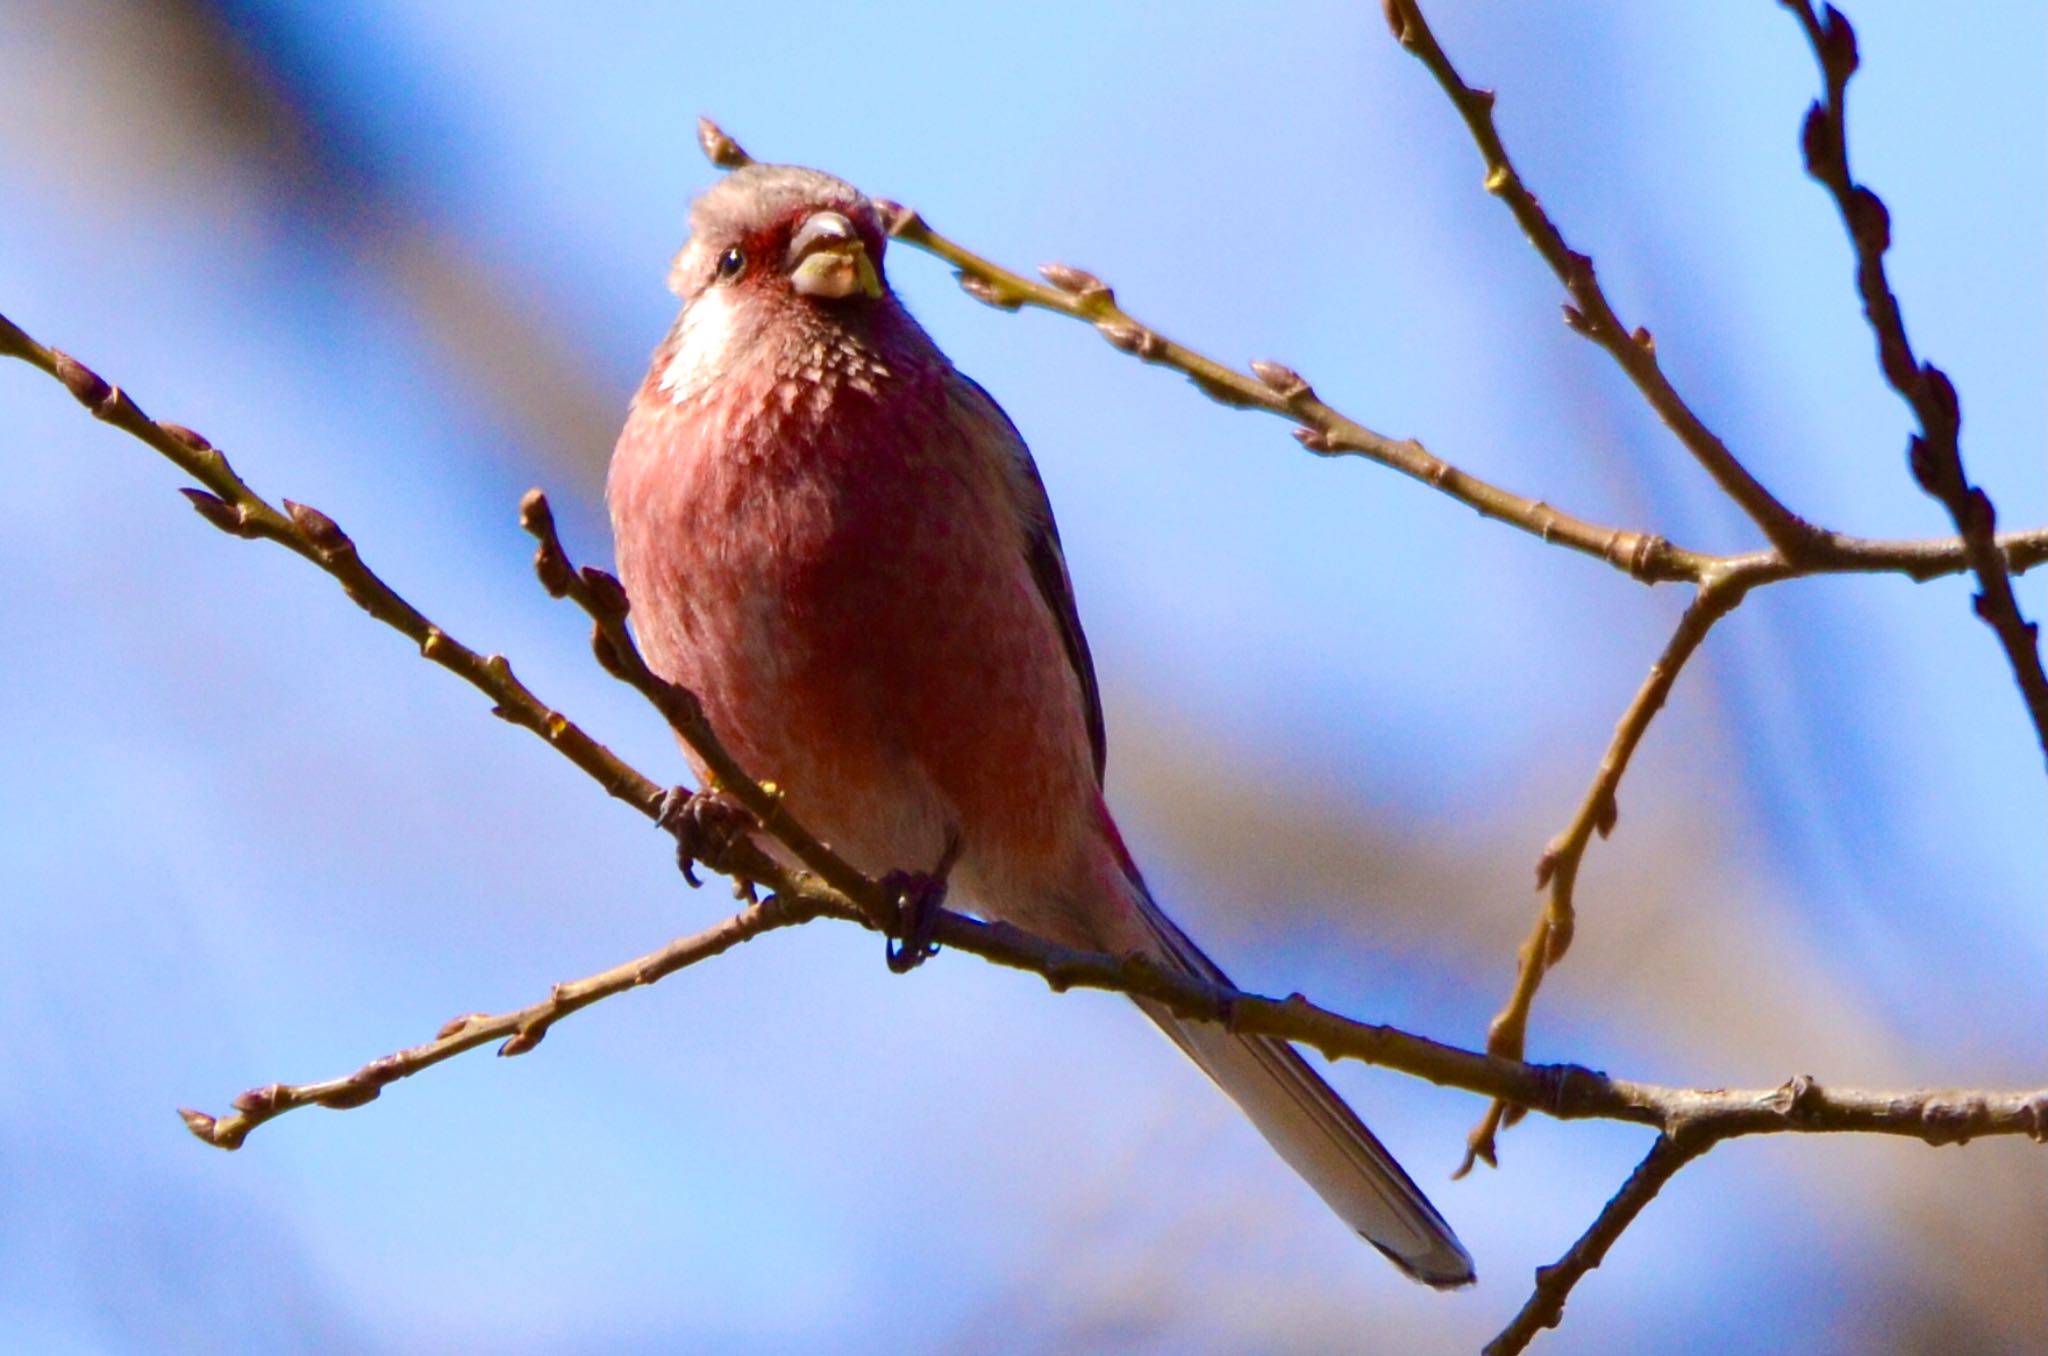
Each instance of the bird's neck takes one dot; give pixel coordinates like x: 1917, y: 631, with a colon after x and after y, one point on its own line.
x: 785, y: 350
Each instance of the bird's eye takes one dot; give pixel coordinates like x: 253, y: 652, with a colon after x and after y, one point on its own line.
x: 731, y: 264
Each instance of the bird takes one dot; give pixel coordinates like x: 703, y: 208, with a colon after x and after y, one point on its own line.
x: 842, y: 546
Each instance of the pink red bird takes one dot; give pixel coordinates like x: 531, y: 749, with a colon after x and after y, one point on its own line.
x: 841, y: 544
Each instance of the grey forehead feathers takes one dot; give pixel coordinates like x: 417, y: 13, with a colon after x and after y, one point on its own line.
x: 754, y: 195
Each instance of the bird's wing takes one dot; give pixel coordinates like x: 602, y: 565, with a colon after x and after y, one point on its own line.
x: 1043, y: 554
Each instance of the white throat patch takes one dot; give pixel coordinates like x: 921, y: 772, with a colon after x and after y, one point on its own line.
x: 706, y: 336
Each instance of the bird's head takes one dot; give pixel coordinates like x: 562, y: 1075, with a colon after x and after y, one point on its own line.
x: 781, y: 280
x: 780, y: 234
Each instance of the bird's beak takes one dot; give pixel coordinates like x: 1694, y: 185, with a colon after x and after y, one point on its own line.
x: 827, y: 259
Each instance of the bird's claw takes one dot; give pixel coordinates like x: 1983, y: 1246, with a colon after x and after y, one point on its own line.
x: 920, y: 897
x: 704, y: 824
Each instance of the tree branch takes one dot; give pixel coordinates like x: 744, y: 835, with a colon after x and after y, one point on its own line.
x: 1558, y: 867
x: 829, y: 884
x: 229, y: 504
x: 1589, y: 313
x: 1266, y: 386
x: 1563, y: 1091
x: 520, y: 1031
x: 1935, y: 453
x: 1545, y: 1307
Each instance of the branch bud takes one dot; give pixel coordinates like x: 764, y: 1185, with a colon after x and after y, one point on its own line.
x: 1222, y: 392
x: 223, y: 515
x: 1605, y: 812
x: 1920, y: 461
x: 319, y: 529
x: 1129, y: 337
x: 1941, y: 394
x: 896, y: 218
x: 349, y: 1096
x: 86, y: 386
x: 1077, y: 281
x: 1837, y: 45
x: 720, y: 149
x: 190, y: 440
x: 534, y: 513
x: 260, y: 1101
x: 607, y: 594
x: 607, y: 655
x: 1283, y: 381
x: 522, y: 1041
x: 1869, y: 222
x: 982, y: 290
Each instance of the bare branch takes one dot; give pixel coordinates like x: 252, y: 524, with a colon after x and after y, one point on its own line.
x: 1935, y: 454
x: 1558, y: 867
x: 229, y: 504
x: 1545, y: 1308
x: 1590, y: 313
x: 520, y: 1031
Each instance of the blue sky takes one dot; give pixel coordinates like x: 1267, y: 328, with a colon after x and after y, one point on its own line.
x: 251, y: 837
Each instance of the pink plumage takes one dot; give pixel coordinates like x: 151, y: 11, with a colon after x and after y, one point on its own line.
x: 841, y: 545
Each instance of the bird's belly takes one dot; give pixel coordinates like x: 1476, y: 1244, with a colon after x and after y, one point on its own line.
x: 798, y: 691
x: 879, y: 652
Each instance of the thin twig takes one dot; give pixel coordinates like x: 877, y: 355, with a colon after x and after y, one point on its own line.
x: 231, y: 505
x: 1558, y: 867
x: 1935, y: 453
x: 1590, y: 313
x: 520, y: 1031
x: 1545, y: 1307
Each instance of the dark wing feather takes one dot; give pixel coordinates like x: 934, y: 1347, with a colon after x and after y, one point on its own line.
x: 1047, y: 561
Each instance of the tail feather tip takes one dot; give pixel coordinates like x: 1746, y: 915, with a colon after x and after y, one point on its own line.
x: 1442, y: 1269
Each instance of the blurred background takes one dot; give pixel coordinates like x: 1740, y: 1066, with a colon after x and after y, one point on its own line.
x: 404, y: 261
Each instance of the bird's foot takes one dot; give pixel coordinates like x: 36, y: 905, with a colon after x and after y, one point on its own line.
x: 920, y: 897
x: 704, y: 824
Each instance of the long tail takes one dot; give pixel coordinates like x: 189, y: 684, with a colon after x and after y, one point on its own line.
x: 1308, y: 1123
